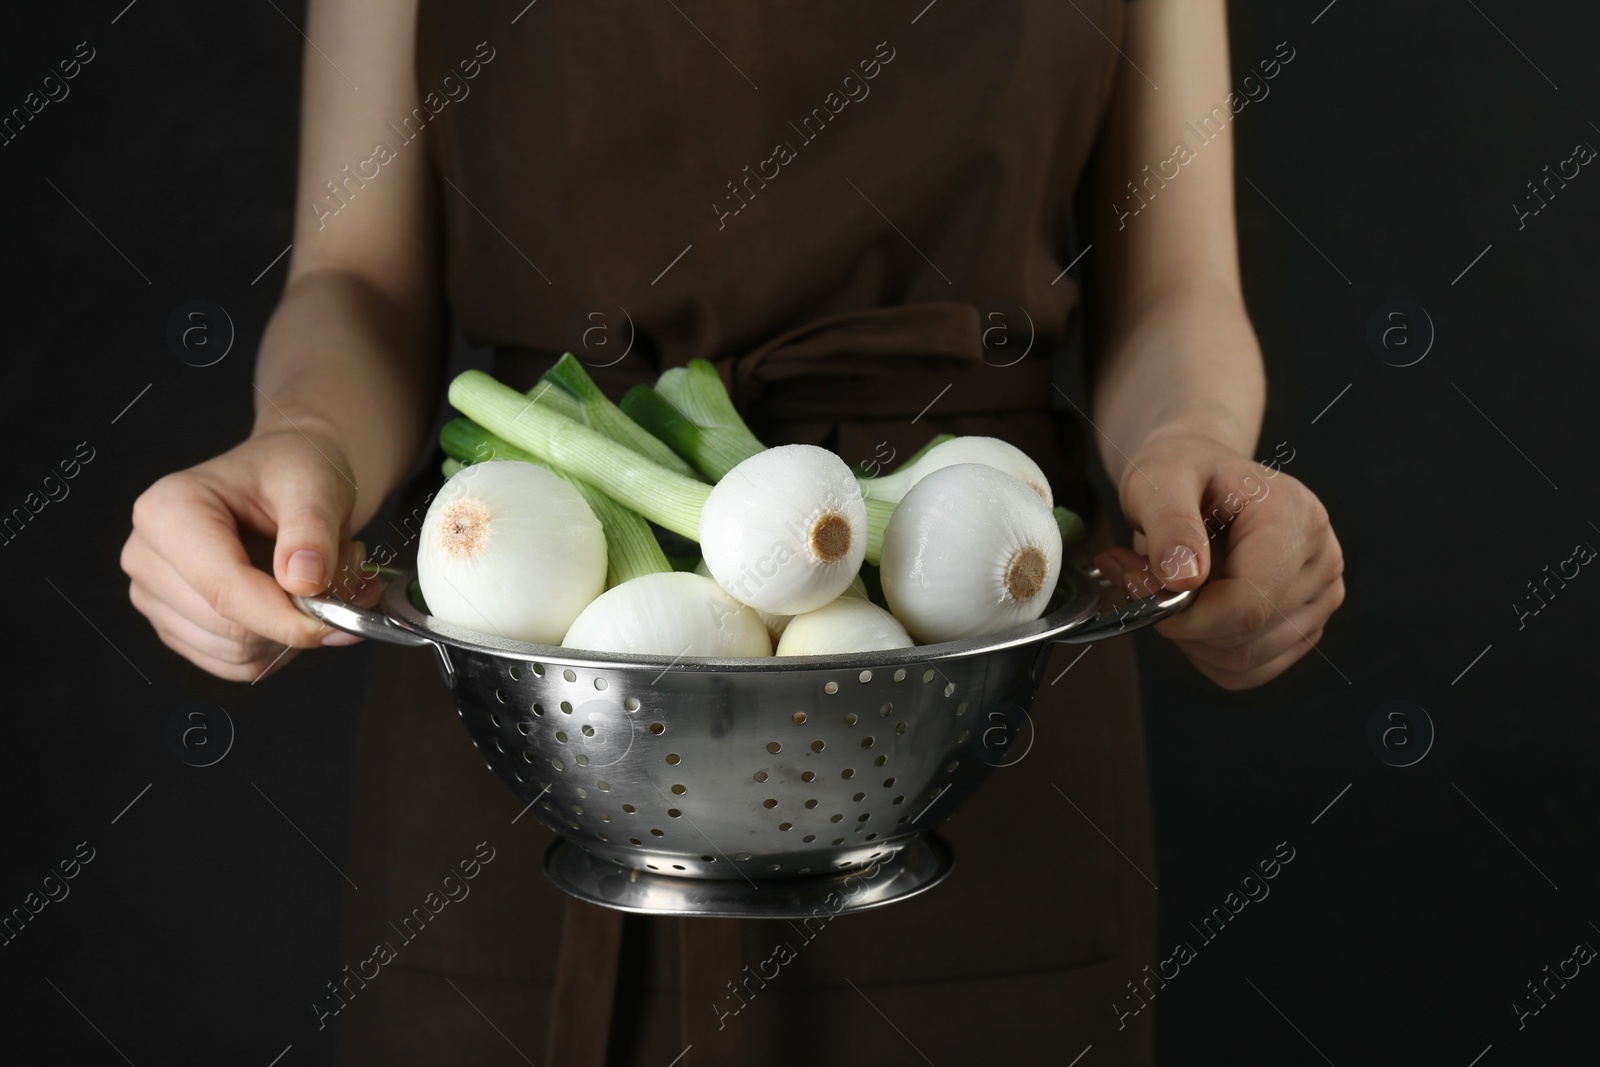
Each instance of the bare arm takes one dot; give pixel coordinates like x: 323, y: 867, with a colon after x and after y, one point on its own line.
x: 1179, y: 388
x: 353, y: 345
x: 1177, y: 349
x: 345, y: 381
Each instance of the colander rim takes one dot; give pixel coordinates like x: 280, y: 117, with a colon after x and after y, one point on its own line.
x: 1081, y: 608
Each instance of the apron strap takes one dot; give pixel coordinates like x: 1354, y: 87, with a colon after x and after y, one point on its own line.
x: 711, y: 955
x: 586, y: 985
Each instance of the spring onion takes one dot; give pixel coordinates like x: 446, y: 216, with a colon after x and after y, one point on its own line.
x: 776, y: 624
x: 631, y: 548
x: 784, y: 531
x: 671, y: 613
x: 595, y: 410
x: 970, y: 550
x: 693, y: 413
x: 849, y: 624
x: 1070, y: 523
x: 989, y: 451
x: 511, y: 549
x: 689, y: 409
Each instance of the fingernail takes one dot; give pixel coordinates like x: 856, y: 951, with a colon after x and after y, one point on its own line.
x: 306, y: 566
x: 1113, y: 573
x: 339, y: 639
x: 1180, y: 562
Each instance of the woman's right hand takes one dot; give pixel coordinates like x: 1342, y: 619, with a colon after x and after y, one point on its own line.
x: 191, y: 573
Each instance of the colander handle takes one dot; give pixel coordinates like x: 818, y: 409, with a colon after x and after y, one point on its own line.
x: 376, y: 625
x: 1118, y: 615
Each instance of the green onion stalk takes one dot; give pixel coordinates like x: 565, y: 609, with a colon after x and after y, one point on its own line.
x: 689, y: 409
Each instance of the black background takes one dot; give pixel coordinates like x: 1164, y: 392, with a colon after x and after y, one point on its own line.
x: 1408, y: 922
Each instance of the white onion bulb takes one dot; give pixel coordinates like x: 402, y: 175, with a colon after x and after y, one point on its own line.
x: 849, y: 624
x: 669, y: 614
x: 989, y: 451
x: 508, y: 548
x: 970, y: 550
x: 776, y: 624
x: 785, y: 530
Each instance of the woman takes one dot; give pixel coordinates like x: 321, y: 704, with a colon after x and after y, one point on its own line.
x: 878, y: 183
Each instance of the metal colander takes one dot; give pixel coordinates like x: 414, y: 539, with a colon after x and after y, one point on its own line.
x: 746, y: 787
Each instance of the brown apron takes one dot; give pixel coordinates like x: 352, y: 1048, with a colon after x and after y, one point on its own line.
x: 588, y: 146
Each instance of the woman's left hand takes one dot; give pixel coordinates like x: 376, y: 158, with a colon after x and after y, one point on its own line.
x: 1279, y: 576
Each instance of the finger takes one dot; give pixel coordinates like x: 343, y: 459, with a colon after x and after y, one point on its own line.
x: 237, y: 651
x: 309, y: 505
x: 1226, y: 613
x: 159, y: 582
x: 1271, y: 642
x: 252, y: 671
x: 1234, y: 680
x: 190, y: 526
x: 1163, y: 500
x: 1263, y: 573
x: 1127, y: 569
x: 356, y: 580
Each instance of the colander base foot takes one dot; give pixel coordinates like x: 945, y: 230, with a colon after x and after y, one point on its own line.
x: 917, y: 866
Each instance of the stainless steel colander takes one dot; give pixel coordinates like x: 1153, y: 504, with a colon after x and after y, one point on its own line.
x: 747, y: 787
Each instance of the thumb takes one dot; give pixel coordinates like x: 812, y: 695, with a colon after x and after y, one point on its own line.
x: 1163, y: 501
x: 310, y: 517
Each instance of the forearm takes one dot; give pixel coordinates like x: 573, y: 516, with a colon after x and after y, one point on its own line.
x: 1186, y: 362
x: 341, y: 360
x: 1171, y: 348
